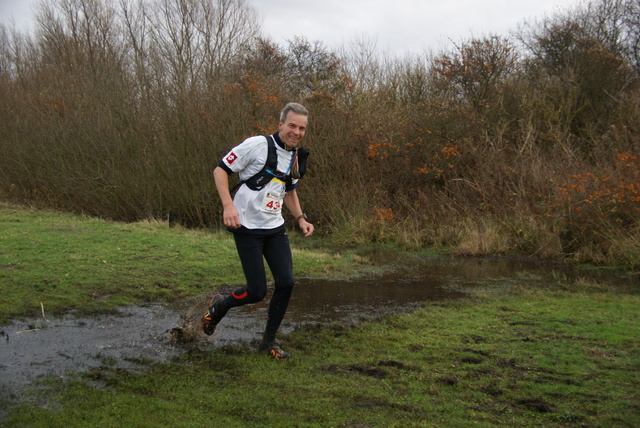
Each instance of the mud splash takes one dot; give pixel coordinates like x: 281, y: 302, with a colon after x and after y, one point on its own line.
x: 36, y: 348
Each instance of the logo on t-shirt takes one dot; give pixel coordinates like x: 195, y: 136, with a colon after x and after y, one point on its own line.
x: 231, y: 158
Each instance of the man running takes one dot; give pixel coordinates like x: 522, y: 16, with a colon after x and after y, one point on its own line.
x: 269, y: 169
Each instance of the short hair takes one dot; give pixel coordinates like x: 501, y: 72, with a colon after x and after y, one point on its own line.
x: 293, y: 107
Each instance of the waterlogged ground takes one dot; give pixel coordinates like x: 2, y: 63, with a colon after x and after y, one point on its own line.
x: 32, y: 349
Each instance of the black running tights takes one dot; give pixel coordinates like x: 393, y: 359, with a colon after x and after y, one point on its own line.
x: 253, y: 249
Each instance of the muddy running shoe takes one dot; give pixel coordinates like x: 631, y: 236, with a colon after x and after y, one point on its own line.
x: 208, y: 322
x: 275, y: 351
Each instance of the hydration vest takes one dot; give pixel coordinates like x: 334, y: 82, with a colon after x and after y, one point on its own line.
x: 269, y: 170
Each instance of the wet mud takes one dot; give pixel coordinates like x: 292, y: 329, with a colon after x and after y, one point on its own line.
x: 32, y: 349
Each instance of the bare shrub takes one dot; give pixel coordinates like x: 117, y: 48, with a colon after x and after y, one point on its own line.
x: 122, y: 110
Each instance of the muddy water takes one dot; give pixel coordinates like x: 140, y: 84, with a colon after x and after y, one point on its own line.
x: 34, y: 348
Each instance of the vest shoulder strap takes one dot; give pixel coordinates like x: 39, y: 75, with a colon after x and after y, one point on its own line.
x: 259, y: 180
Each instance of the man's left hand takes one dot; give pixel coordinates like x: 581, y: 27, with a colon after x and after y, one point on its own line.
x: 306, y: 228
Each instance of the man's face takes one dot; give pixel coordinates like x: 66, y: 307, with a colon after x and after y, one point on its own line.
x: 292, y: 129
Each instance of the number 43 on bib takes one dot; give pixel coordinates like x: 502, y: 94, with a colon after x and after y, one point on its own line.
x: 272, y: 202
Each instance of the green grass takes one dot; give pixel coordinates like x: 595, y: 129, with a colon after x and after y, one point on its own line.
x: 558, y: 355
x: 532, y: 358
x: 66, y: 262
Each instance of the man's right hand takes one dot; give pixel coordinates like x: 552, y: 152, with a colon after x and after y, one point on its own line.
x: 230, y: 217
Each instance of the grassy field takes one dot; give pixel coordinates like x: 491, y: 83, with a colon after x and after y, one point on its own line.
x: 85, y: 264
x: 564, y: 354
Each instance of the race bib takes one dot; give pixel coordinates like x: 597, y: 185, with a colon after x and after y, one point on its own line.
x: 272, y: 202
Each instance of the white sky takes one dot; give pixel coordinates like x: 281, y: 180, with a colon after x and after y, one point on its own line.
x: 396, y: 26
x: 399, y: 26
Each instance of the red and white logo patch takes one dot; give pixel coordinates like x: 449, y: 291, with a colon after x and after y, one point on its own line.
x: 231, y: 158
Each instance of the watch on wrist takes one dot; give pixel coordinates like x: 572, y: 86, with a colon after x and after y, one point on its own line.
x: 304, y: 216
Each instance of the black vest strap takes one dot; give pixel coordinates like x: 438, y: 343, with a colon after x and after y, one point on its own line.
x: 259, y: 180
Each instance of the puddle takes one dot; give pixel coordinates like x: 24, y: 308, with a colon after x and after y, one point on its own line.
x: 59, y: 346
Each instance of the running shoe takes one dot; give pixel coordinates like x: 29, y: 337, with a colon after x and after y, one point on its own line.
x: 208, y: 322
x: 275, y: 351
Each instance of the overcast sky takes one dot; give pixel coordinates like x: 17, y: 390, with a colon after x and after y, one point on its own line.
x: 397, y: 26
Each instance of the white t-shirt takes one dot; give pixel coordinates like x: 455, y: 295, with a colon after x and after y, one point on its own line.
x: 258, y: 209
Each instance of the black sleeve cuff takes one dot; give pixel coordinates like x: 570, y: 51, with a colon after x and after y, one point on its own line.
x: 225, y: 167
